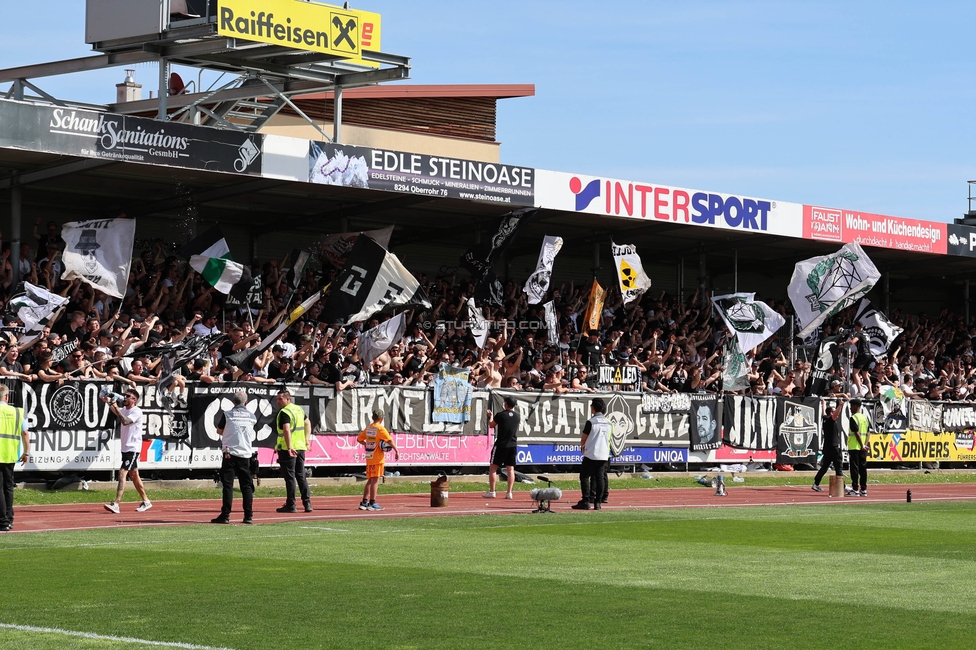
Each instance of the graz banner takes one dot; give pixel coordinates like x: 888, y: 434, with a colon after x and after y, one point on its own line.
x: 922, y: 446
x: 73, y: 429
x: 749, y: 422
x: 706, y: 423
x: 420, y: 174
x: 124, y: 138
x: 799, y: 431
x: 559, y: 418
x: 666, y: 418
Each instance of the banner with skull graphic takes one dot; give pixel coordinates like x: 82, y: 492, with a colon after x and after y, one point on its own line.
x: 99, y: 253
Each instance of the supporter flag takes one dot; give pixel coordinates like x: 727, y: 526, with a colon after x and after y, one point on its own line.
x: 828, y: 354
x: 552, y: 323
x: 335, y: 248
x: 381, y: 338
x: 479, y: 326
x: 245, y: 358
x: 373, y: 279
x: 823, y: 286
x: 99, y: 252
x: 479, y: 259
x: 750, y: 321
x: 175, y: 356
x: 224, y: 275
x: 734, y: 370
x: 297, y: 271
x: 594, y: 307
x: 630, y: 272
x: 538, y: 283
x: 35, y: 307
x: 209, y: 244
x: 881, y: 331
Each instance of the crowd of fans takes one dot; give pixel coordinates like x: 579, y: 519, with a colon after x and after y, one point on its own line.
x: 675, y: 345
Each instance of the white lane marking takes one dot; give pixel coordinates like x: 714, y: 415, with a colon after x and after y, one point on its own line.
x: 105, y: 637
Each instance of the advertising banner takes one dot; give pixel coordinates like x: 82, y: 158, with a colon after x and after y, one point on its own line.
x: 308, y: 26
x: 415, y: 449
x: 124, y: 138
x: 961, y: 240
x: 924, y: 415
x: 73, y: 429
x: 420, y: 174
x: 921, y: 446
x: 559, y: 454
x: 959, y: 417
x: 731, y: 456
x: 899, y: 233
x: 663, y: 203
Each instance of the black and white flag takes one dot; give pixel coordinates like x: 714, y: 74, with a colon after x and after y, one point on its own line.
x: 881, y: 331
x: 299, y: 260
x: 35, y: 308
x: 828, y: 356
x: 538, y: 283
x: 334, y: 248
x: 99, y: 253
x: 381, y: 338
x: 735, y: 372
x: 552, y: 323
x: 750, y: 321
x: 479, y: 326
x: 372, y: 280
x: 479, y: 259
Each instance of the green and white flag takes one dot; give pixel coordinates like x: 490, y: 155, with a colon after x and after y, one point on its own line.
x: 225, y: 276
x: 734, y: 369
x: 210, y: 244
x: 823, y: 286
x: 750, y: 321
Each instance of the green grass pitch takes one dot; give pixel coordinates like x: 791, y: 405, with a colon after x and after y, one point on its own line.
x: 858, y: 576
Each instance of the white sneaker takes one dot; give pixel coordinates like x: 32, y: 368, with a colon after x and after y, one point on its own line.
x: 145, y: 505
x: 508, y: 495
x: 112, y: 507
x: 489, y: 495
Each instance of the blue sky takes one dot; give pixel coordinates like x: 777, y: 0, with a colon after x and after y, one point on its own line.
x: 859, y: 105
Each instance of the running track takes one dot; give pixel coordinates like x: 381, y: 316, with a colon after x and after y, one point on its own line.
x: 86, y: 516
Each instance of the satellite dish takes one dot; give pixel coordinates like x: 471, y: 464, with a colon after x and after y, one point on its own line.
x: 176, y: 85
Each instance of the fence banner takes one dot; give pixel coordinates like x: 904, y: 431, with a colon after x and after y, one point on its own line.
x: 732, y: 455
x: 207, y: 401
x: 922, y: 446
x: 706, y: 431
x: 924, y: 415
x: 799, y: 431
x: 408, y: 410
x: 559, y: 418
x: 959, y: 417
x: 749, y: 422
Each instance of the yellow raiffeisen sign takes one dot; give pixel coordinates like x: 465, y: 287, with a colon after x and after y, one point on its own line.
x: 301, y: 25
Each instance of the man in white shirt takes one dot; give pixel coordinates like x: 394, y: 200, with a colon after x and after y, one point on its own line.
x: 130, y: 433
x: 595, y: 445
x: 236, y: 429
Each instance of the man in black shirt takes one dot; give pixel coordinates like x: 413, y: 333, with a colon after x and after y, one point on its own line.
x: 506, y: 426
x: 591, y: 352
x: 830, y: 445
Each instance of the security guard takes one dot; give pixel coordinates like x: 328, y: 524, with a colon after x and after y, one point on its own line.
x: 236, y: 429
x: 293, y: 429
x: 13, y: 432
x: 858, y: 441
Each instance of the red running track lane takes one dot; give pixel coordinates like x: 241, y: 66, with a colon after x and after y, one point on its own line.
x: 88, y: 516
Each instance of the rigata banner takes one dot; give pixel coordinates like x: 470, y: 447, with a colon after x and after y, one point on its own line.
x: 420, y: 174
x: 124, y: 138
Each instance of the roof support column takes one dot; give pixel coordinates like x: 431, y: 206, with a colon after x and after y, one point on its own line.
x: 337, y: 116
x: 965, y: 301
x: 15, y: 221
x: 163, y: 88
x: 735, y: 271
